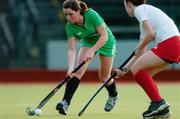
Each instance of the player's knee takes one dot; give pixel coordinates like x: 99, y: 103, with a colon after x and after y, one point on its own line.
x: 79, y: 73
x: 133, y: 70
x: 103, y: 79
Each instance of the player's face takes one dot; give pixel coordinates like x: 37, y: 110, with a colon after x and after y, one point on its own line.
x: 129, y: 8
x: 71, y: 15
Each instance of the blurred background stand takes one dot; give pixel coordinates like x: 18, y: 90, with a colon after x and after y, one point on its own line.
x: 7, y: 44
x: 29, y: 27
x: 26, y: 18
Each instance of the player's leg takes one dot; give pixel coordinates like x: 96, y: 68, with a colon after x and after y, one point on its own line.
x: 165, y: 113
x: 73, y: 83
x: 153, y: 71
x: 104, y: 73
x: 150, y: 61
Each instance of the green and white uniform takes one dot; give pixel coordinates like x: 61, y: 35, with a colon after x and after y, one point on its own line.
x: 88, y: 35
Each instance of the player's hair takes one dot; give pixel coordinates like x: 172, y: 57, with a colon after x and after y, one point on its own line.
x: 75, y: 5
x: 137, y: 2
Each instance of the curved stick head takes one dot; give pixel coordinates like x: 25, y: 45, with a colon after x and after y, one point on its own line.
x: 80, y: 113
x: 29, y: 111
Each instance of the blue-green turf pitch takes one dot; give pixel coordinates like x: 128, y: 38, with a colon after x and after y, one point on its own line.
x: 14, y: 98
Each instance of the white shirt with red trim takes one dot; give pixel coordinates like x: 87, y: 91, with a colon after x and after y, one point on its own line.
x: 163, y: 26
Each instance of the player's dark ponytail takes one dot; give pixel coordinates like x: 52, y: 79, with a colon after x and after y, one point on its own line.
x: 83, y: 6
x: 75, y: 5
x: 137, y: 2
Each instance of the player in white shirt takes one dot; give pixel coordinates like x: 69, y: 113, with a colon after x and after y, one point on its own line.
x: 154, y: 25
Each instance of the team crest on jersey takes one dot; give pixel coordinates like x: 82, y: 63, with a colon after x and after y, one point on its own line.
x: 79, y: 33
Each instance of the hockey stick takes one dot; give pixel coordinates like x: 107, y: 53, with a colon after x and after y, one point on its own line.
x: 104, y: 84
x: 47, y: 98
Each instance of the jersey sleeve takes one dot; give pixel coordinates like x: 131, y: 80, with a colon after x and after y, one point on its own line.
x: 69, y: 31
x: 96, y: 18
x: 140, y: 14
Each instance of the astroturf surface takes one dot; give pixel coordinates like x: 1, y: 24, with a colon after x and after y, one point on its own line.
x: 132, y: 101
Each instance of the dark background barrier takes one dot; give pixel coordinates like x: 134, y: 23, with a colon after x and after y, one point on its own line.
x: 45, y: 76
